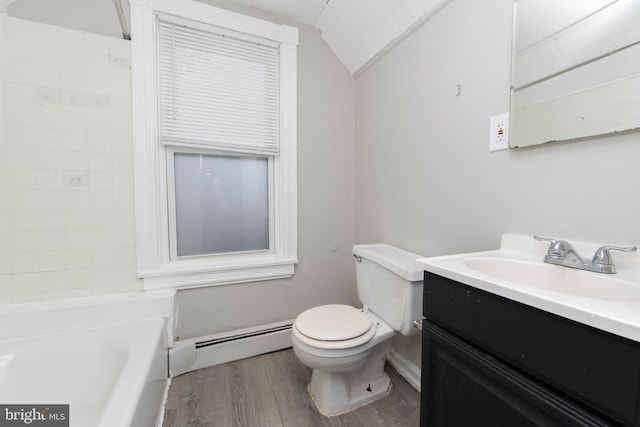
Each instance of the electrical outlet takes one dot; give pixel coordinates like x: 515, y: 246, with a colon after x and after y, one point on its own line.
x: 499, y: 132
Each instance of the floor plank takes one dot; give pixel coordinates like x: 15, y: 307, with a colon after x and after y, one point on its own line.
x: 270, y: 391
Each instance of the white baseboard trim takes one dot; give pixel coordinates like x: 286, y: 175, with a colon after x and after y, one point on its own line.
x: 202, y: 352
x: 405, y: 368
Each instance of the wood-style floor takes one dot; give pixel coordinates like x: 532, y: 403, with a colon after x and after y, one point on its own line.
x: 271, y: 390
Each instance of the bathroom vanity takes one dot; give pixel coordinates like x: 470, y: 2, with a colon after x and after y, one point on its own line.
x: 499, y: 353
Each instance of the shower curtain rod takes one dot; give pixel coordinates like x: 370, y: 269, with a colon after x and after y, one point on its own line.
x: 126, y: 34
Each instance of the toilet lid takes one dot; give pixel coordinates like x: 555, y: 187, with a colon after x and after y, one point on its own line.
x: 333, y: 322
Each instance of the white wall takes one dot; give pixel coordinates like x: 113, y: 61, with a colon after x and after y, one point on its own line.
x: 425, y: 180
x: 325, y: 273
x: 66, y: 169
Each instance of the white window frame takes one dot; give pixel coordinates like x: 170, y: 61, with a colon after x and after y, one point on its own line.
x: 155, y: 265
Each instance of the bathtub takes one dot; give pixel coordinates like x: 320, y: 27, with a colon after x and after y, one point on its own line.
x: 113, y: 376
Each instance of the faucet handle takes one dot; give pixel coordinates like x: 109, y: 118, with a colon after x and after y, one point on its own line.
x: 557, y: 247
x: 603, y: 257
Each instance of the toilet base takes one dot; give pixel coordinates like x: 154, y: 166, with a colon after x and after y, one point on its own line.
x: 360, y: 396
x: 335, y: 393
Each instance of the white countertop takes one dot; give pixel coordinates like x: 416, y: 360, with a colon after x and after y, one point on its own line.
x: 619, y: 316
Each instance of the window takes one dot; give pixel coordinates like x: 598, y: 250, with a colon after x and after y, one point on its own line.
x: 220, y: 203
x: 214, y: 144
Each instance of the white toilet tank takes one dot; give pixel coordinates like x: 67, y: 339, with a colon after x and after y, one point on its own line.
x: 390, y: 284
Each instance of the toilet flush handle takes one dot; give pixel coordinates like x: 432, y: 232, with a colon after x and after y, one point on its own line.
x: 358, y: 258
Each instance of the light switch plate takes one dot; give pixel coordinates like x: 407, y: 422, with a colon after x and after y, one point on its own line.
x: 499, y: 132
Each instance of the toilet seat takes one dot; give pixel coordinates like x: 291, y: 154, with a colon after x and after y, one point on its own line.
x: 333, y: 326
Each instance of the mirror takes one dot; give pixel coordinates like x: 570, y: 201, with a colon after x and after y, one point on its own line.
x: 576, y: 69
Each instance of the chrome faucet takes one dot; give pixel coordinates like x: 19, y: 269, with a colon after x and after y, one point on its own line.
x: 561, y: 252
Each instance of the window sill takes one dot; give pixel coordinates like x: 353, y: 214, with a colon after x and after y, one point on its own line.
x: 185, y: 276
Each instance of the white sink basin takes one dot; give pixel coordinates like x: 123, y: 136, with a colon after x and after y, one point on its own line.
x: 610, y: 302
x: 553, y: 278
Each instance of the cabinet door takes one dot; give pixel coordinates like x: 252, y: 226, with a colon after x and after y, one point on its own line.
x: 463, y: 387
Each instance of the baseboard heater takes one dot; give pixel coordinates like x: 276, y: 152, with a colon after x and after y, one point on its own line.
x: 207, y: 343
x: 202, y: 352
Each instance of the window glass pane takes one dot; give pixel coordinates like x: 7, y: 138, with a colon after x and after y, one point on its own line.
x: 222, y: 204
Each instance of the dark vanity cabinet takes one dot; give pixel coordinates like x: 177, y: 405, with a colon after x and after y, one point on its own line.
x: 490, y: 361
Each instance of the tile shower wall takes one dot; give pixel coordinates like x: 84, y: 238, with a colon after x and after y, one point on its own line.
x: 66, y: 164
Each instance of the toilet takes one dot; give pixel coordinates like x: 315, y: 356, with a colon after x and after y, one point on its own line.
x: 346, y: 346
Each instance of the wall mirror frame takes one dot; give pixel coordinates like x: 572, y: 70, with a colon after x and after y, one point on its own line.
x: 575, y: 70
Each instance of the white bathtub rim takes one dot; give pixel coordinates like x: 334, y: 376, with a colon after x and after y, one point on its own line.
x: 88, y: 330
x: 86, y: 313
x: 83, y: 301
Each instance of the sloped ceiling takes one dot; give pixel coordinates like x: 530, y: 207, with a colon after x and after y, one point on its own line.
x: 357, y: 31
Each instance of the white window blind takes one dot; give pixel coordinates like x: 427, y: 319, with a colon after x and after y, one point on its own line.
x: 218, y: 90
